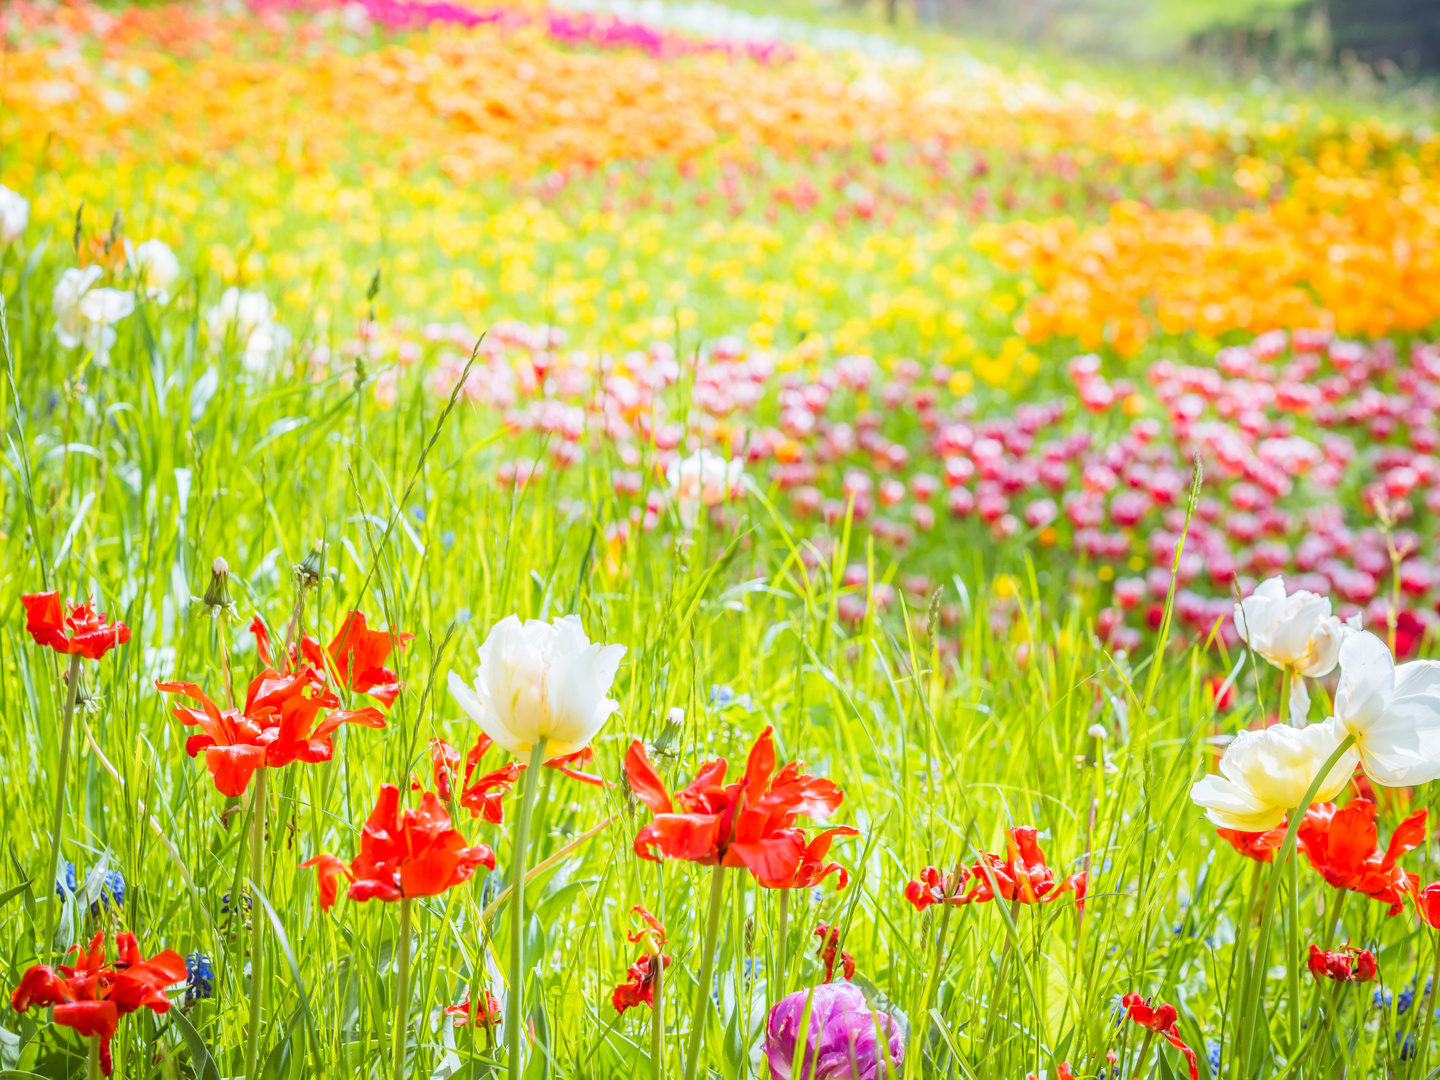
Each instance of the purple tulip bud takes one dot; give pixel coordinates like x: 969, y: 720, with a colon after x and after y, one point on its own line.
x: 841, y: 1040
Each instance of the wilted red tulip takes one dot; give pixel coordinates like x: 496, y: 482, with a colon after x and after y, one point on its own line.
x: 276, y: 726
x: 639, y: 988
x: 1021, y: 876
x: 90, y: 998
x: 1348, y: 965
x: 1343, y: 846
x: 1259, y: 846
x: 403, y: 854
x: 749, y: 823
x: 1161, y: 1020
x: 482, y: 795
x: 935, y: 887
x: 827, y: 952
x: 82, y: 631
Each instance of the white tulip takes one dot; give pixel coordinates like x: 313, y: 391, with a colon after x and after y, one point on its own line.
x: 1264, y: 775
x: 1393, y: 712
x: 1296, y: 633
x: 157, y: 268
x: 540, y: 679
x: 250, y: 317
x: 14, y: 215
x: 85, y: 315
x: 703, y: 479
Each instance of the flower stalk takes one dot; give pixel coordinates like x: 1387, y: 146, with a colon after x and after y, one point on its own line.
x: 707, y: 965
x: 514, y: 1002
x: 782, y: 961
x: 402, y: 993
x: 257, y: 936
x: 92, y: 1067
x: 1423, y: 1046
x: 1262, y: 941
x: 57, y: 820
x: 657, y: 1018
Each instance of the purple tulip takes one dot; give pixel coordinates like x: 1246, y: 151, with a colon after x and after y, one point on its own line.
x: 841, y: 1041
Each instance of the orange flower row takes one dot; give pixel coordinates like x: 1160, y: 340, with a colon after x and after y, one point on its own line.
x: 1357, y: 255
x: 501, y: 100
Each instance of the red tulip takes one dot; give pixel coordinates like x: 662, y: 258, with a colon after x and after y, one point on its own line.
x: 750, y: 823
x: 276, y: 726
x: 1427, y: 901
x: 357, y: 654
x: 1342, y: 846
x: 1161, y: 1020
x: 1259, y: 846
x: 487, y: 1013
x: 826, y: 952
x: 83, y: 630
x: 402, y: 854
x: 482, y: 795
x: 1348, y: 965
x: 90, y: 999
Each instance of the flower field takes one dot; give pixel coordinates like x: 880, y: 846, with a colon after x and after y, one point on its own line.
x: 644, y: 540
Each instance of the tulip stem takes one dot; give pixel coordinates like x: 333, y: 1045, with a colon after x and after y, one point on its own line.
x: 57, y: 821
x: 1000, y: 975
x: 707, y: 964
x: 514, y: 1001
x: 1256, y: 982
x: 402, y: 994
x: 1292, y: 961
x: 257, y: 940
x: 657, y: 1018
x: 1423, y: 1046
x: 781, y: 974
x: 92, y: 1069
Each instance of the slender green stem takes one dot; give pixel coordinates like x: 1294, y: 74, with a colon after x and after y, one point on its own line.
x: 707, y: 965
x: 57, y: 820
x: 1292, y: 958
x: 1285, y: 676
x: 1000, y: 978
x: 514, y: 1003
x: 1144, y: 1053
x: 92, y: 1068
x: 657, y: 1018
x: 1262, y: 943
x: 782, y: 966
x: 1242, y: 944
x: 402, y: 993
x: 1423, y: 1046
x: 257, y: 939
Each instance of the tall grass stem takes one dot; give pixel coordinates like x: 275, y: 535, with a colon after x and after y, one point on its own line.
x: 515, y: 1001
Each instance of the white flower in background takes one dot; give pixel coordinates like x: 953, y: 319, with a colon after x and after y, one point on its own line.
x: 14, y: 215
x: 156, y: 268
x: 703, y: 479
x: 1264, y: 775
x: 1393, y: 712
x: 250, y: 317
x: 85, y: 315
x: 1296, y: 633
x: 537, y: 678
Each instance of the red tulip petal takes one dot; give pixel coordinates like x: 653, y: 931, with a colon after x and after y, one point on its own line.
x: 89, y: 1018
x: 644, y: 781
x: 232, y: 766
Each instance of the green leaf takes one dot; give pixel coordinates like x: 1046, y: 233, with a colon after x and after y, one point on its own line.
x: 200, y: 1059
